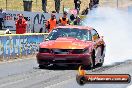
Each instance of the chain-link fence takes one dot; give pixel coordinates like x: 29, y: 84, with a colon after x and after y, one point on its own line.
x: 17, y: 5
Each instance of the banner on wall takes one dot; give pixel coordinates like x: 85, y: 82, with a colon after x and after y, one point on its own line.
x: 35, y: 20
x: 19, y: 45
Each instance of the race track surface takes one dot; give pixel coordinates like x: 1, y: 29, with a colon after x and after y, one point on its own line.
x: 26, y: 74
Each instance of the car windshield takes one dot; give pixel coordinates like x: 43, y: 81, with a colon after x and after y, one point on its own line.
x: 80, y: 34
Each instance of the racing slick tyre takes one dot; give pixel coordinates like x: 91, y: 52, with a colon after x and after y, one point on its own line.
x: 92, y: 62
x: 43, y: 66
x: 89, y: 66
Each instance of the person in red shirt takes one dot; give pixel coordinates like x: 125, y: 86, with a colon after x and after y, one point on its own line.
x: 21, y: 25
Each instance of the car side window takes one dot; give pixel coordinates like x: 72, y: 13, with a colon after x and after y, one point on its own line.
x: 95, y: 35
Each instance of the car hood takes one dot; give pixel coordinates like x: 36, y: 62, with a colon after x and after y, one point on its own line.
x: 66, y: 43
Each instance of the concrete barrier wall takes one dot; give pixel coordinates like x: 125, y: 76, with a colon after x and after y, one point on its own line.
x: 15, y: 45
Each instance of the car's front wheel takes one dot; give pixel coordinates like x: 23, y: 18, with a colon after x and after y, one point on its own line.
x: 90, y: 65
x: 43, y: 66
x: 100, y: 56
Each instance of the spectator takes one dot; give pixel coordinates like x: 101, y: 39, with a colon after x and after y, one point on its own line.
x: 77, y: 5
x: 64, y: 20
x: 85, y: 11
x: 72, y: 19
x: 21, y: 25
x: 2, y: 15
x: 57, y: 5
x: 51, y: 23
x: 91, y: 4
x: 44, y: 4
x: 96, y: 2
x: 77, y: 21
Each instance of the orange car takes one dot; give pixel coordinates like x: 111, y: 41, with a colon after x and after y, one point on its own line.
x: 72, y: 45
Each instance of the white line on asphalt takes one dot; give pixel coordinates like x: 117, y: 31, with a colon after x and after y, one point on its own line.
x: 14, y: 60
x: 10, y: 83
x: 62, y: 82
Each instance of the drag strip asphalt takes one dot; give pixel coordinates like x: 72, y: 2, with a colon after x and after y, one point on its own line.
x: 26, y: 74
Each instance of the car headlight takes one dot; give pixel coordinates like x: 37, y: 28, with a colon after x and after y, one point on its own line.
x: 44, y: 50
x: 79, y: 51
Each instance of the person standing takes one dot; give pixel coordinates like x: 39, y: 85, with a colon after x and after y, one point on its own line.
x: 2, y: 15
x: 91, y: 4
x: 77, y: 20
x: 72, y: 19
x: 64, y: 20
x: 96, y: 2
x: 57, y: 5
x: 77, y: 4
x: 51, y: 23
x: 21, y: 25
x: 44, y: 4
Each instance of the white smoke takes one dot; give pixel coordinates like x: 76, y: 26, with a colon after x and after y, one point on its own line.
x: 116, y: 27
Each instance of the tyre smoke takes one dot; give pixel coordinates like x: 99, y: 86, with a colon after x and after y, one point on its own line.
x: 116, y: 27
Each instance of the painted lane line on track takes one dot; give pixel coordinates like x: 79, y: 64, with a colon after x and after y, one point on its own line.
x: 62, y: 82
x: 20, y: 78
x: 30, y: 78
x: 57, y: 78
x: 14, y: 60
x: 10, y: 83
